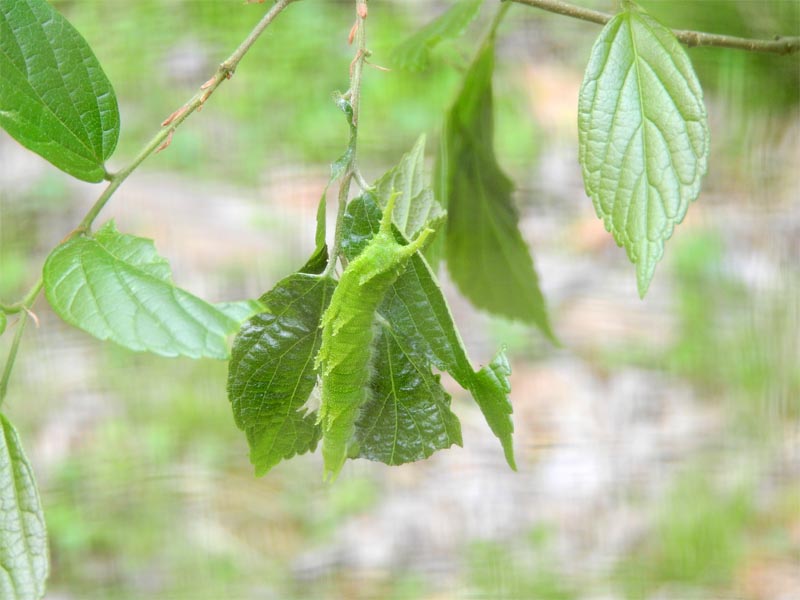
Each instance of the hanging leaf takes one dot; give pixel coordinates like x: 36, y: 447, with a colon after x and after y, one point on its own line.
x: 55, y: 98
x: 271, y: 372
x: 415, y: 206
x: 486, y: 254
x: 423, y: 327
x: 415, y: 52
x: 490, y: 388
x: 644, y: 138
x: 23, y: 537
x: 117, y: 287
x: 407, y: 416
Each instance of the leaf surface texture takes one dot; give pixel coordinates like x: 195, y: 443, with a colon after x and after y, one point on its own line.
x: 643, y: 135
x: 55, y: 98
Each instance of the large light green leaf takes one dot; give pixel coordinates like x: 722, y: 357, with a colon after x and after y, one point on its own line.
x: 117, y: 287
x: 23, y: 537
x: 407, y: 416
x: 54, y: 97
x: 415, y: 207
x: 643, y: 135
x: 422, y: 326
x: 271, y: 372
x: 415, y: 52
x: 486, y: 254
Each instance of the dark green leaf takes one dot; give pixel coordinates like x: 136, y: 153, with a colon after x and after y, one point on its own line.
x: 415, y: 207
x: 319, y: 259
x: 423, y: 326
x: 3, y: 322
x: 643, y: 135
x: 55, y: 98
x: 117, y: 287
x: 23, y: 536
x: 414, y: 304
x: 486, y: 254
x: 407, y: 416
x: 414, y: 53
x: 271, y: 372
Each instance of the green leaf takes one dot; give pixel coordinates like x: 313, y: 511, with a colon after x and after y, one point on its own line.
x: 240, y: 310
x: 486, y: 254
x: 423, y: 326
x: 55, y: 98
x: 414, y: 53
x: 23, y: 536
x: 490, y: 388
x: 644, y: 138
x: 3, y: 322
x: 408, y: 416
x: 319, y: 259
x: 414, y: 304
x: 271, y: 372
x: 415, y: 207
x: 117, y: 287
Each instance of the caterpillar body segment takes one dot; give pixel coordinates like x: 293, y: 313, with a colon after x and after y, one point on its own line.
x: 345, y: 357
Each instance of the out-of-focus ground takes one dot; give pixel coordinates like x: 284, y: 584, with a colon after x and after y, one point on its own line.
x: 659, y: 447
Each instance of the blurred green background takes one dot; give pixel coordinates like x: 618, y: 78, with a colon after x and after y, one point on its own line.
x: 658, y: 446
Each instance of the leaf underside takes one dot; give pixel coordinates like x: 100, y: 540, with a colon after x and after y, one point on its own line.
x: 486, y: 254
x: 415, y: 207
x: 55, y: 98
x: 644, y: 138
x: 117, y: 287
x: 23, y: 537
x: 271, y: 372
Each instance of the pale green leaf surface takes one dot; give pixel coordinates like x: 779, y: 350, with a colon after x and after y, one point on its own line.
x: 117, y: 287
x: 407, y: 416
x: 423, y: 326
x: 55, y: 98
x: 240, y: 310
x: 486, y: 254
x: 271, y: 372
x: 414, y: 53
x: 644, y: 137
x: 23, y: 536
x: 415, y: 207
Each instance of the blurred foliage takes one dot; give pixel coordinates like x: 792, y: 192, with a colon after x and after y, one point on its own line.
x: 699, y: 539
x: 503, y: 571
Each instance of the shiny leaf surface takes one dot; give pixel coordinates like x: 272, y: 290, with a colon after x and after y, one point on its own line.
x: 271, y: 372
x: 55, y: 98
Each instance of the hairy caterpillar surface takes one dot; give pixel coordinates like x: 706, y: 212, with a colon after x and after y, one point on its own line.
x: 346, y: 352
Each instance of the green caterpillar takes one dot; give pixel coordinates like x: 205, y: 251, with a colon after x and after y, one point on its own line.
x: 345, y: 356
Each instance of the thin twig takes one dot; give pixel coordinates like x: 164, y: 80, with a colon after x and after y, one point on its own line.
x: 159, y: 142
x: 26, y: 304
x: 354, y: 96
x: 171, y: 123
x: 780, y: 45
